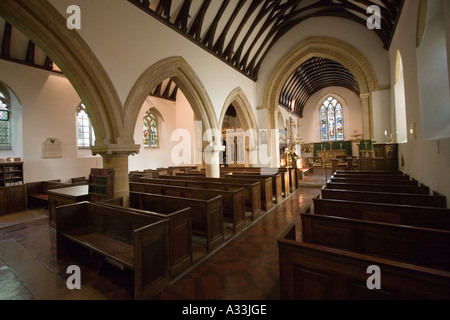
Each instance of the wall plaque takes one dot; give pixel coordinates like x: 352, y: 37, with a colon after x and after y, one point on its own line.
x: 52, y: 148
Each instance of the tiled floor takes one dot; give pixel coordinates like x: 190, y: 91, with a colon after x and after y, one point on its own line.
x: 246, y: 268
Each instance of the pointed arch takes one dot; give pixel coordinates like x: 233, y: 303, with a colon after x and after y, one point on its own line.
x: 177, y: 69
x: 239, y: 100
x: 333, y: 49
x: 45, y: 26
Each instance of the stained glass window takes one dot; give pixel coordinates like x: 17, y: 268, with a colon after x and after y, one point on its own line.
x: 331, y: 120
x: 5, y: 125
x: 85, y: 132
x: 150, y: 127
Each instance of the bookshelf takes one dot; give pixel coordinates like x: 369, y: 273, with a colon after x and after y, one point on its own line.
x: 12, y: 188
x: 11, y: 174
x: 101, y: 185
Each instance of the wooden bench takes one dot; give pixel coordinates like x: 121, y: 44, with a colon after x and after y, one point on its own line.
x: 266, y: 188
x: 419, y: 246
x: 276, y: 185
x: 374, y: 181
x: 418, y: 216
x: 126, y: 239
x: 370, y: 172
x: 180, y: 235
x: 252, y: 191
x: 287, y: 178
x: 437, y: 201
x: 371, y: 176
x: 424, y: 190
x: 233, y: 200
x: 37, y: 191
x: 313, y: 272
x: 206, y: 215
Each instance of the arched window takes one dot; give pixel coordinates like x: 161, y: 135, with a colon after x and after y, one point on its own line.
x: 331, y: 117
x: 85, y: 132
x: 5, y: 116
x: 150, y: 130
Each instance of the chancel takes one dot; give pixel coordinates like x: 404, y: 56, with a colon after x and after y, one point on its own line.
x: 224, y: 150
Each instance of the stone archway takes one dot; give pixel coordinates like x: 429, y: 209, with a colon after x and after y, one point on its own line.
x: 43, y: 24
x: 177, y: 69
x: 239, y: 100
x: 46, y: 27
x: 333, y: 49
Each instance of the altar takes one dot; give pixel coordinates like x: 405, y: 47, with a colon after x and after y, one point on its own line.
x: 327, y: 155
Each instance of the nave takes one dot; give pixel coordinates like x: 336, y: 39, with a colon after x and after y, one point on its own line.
x: 245, y: 268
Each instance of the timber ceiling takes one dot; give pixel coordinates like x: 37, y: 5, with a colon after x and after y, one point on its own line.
x: 241, y: 33
x: 313, y: 75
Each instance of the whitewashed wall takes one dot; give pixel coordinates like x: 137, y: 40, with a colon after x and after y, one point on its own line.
x: 426, y: 160
x: 49, y: 105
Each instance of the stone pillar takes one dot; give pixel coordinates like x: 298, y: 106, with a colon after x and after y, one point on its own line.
x: 116, y: 158
x: 119, y: 163
x: 274, y: 137
x: 367, y: 116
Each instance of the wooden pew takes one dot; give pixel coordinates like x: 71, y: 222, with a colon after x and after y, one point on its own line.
x: 370, y: 172
x: 424, y: 190
x: 313, y: 272
x: 437, y: 201
x: 418, y: 216
x: 233, y: 200
x: 266, y: 184
x: 285, y: 178
x: 206, y: 215
x: 180, y: 235
x: 391, y: 182
x: 278, y: 180
x: 419, y: 246
x: 252, y: 190
x: 129, y: 240
x: 371, y: 176
x: 266, y: 187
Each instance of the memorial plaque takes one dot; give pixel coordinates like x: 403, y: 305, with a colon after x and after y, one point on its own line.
x: 52, y: 148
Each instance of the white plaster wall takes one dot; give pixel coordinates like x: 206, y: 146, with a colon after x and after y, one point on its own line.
x: 426, y: 161
x: 381, y: 111
x: 128, y: 41
x: 49, y: 105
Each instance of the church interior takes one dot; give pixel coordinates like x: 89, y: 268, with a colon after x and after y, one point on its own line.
x: 224, y: 150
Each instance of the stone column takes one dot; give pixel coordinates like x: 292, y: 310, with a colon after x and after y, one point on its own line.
x: 367, y: 116
x: 274, y: 137
x: 117, y: 159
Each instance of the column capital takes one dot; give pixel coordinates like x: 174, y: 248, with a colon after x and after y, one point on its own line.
x: 116, y: 150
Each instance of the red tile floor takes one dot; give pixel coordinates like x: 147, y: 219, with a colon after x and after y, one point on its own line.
x: 246, y: 268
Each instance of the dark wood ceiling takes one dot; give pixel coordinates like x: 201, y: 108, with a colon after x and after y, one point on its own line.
x: 312, y: 76
x: 241, y: 32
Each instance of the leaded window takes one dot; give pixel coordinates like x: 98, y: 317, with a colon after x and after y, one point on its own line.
x: 5, y: 123
x: 85, y: 132
x: 150, y: 130
x: 331, y: 117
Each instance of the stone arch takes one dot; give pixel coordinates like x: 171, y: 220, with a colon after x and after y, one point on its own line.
x: 46, y: 27
x: 239, y: 100
x: 187, y: 81
x: 332, y: 49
